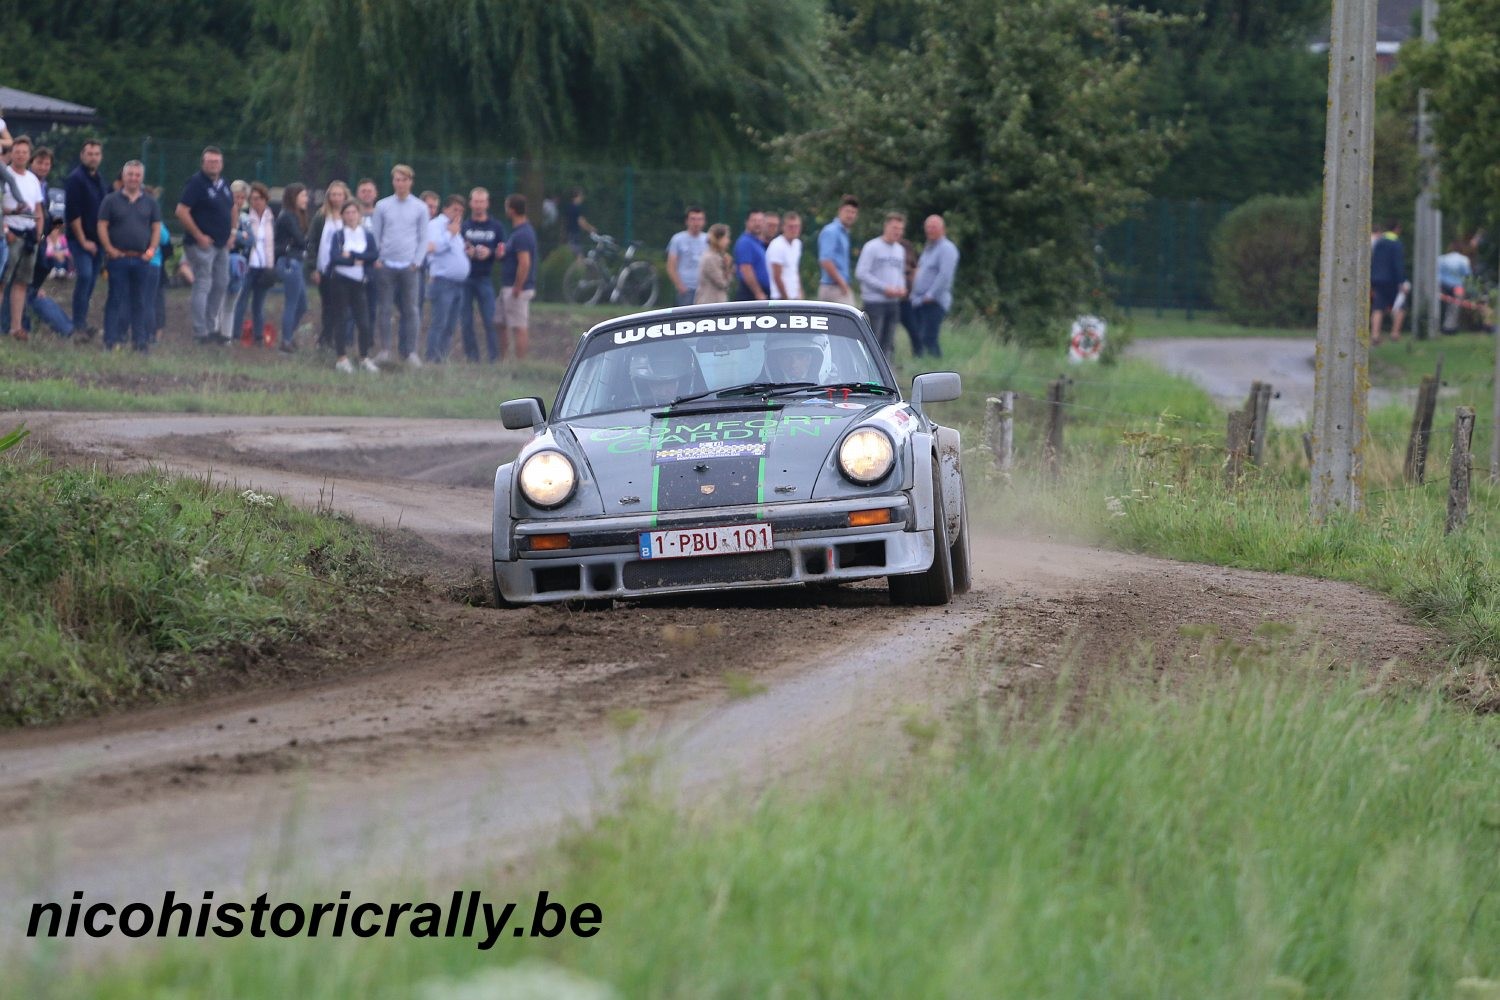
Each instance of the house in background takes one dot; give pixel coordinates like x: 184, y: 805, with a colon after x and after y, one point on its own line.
x: 1397, y: 22
x: 35, y: 113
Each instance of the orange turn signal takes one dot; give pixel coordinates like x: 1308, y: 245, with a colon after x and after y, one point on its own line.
x: 547, y: 543
x: 865, y: 518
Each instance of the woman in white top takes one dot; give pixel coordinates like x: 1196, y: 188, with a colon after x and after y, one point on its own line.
x: 261, y: 276
x: 319, y: 238
x: 350, y: 248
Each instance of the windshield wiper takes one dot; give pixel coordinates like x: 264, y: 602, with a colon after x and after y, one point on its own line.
x: 747, y: 389
x: 874, y: 388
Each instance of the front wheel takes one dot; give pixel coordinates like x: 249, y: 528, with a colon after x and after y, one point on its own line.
x: 933, y: 586
x: 584, y: 282
x: 637, y: 285
x: 963, y: 574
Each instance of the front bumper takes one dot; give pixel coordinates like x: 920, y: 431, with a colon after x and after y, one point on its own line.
x: 812, y: 542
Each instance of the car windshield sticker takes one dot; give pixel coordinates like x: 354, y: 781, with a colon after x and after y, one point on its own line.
x: 680, y: 431
x: 721, y: 324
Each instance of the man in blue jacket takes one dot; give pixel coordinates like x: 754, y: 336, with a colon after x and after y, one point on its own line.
x: 83, y: 192
x: 1387, y: 282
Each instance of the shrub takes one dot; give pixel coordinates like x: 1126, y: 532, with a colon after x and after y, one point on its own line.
x: 549, y: 277
x: 1266, y: 261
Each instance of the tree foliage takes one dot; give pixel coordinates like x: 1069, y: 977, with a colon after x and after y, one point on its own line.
x: 1462, y: 70
x: 170, y: 69
x: 1249, y: 92
x: 683, y: 82
x: 1015, y: 122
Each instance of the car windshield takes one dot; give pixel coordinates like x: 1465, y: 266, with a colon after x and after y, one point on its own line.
x: 653, y: 365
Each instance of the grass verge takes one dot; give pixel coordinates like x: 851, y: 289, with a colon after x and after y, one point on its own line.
x: 178, y: 376
x: 115, y: 589
x: 1257, y: 832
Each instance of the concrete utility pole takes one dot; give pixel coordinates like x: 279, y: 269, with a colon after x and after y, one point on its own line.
x: 1426, y: 292
x: 1343, y: 382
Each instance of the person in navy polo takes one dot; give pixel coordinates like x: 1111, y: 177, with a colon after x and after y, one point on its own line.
x: 205, y: 210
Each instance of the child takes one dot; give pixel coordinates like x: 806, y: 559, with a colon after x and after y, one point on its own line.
x: 57, y: 259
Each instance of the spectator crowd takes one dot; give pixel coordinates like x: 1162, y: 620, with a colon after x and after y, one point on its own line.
x: 380, y: 264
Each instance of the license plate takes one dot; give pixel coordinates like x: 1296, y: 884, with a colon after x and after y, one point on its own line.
x: 724, y: 541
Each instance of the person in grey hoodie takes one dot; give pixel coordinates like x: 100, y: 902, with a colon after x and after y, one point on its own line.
x: 932, y: 288
x: 399, y: 225
x: 881, y: 272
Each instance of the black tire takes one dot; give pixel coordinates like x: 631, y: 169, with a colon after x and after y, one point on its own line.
x: 963, y: 574
x: 584, y: 282
x: 637, y: 285
x: 932, y: 587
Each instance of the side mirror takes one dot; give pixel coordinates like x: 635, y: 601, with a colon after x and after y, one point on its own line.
x: 523, y: 414
x: 935, y: 387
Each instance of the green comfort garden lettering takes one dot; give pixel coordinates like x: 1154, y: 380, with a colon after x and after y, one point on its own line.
x: 627, y: 440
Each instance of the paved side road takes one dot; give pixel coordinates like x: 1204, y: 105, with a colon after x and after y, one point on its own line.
x: 1225, y: 367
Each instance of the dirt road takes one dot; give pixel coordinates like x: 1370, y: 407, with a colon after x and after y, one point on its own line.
x: 458, y: 734
x: 1225, y: 367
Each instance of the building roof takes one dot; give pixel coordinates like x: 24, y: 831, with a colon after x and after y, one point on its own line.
x: 1395, y: 20
x: 24, y: 104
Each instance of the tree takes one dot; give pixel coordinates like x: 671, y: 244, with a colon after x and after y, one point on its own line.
x: 681, y: 82
x: 1249, y: 91
x: 1462, y: 70
x: 168, y: 69
x: 1015, y: 122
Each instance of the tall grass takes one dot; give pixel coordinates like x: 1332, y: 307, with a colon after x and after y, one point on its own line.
x: 1257, y: 833
x: 107, y: 582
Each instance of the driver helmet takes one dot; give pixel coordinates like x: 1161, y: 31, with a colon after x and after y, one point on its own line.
x: 794, y: 359
x: 661, y: 375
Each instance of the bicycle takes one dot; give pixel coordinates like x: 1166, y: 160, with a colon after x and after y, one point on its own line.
x: 634, y: 284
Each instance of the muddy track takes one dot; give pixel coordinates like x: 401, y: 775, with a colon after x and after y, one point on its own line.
x: 462, y: 732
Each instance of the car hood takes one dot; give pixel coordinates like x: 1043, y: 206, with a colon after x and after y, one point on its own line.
x: 716, y: 456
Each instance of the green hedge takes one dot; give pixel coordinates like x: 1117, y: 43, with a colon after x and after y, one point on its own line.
x: 1266, y: 261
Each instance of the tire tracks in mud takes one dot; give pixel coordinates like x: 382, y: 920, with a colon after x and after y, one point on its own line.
x: 473, y: 732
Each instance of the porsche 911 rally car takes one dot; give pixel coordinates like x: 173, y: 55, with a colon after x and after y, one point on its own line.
x: 735, y: 445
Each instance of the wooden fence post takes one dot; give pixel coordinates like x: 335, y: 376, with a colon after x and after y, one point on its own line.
x: 1238, y: 445
x: 999, y: 428
x: 1054, y: 446
x: 1460, y: 465
x: 1263, y: 421
x: 1258, y: 410
x: 1418, y: 442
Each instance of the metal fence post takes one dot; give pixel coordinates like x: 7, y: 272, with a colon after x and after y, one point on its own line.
x: 1190, y: 261
x: 629, y: 203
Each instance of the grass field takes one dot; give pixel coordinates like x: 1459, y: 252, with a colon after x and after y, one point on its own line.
x: 1255, y: 832
x: 51, y: 374
x: 1175, y: 323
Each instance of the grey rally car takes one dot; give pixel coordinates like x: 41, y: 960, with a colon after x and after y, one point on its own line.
x: 737, y: 445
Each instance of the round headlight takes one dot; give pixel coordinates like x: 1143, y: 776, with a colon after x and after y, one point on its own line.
x: 547, y: 478
x: 866, y: 456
